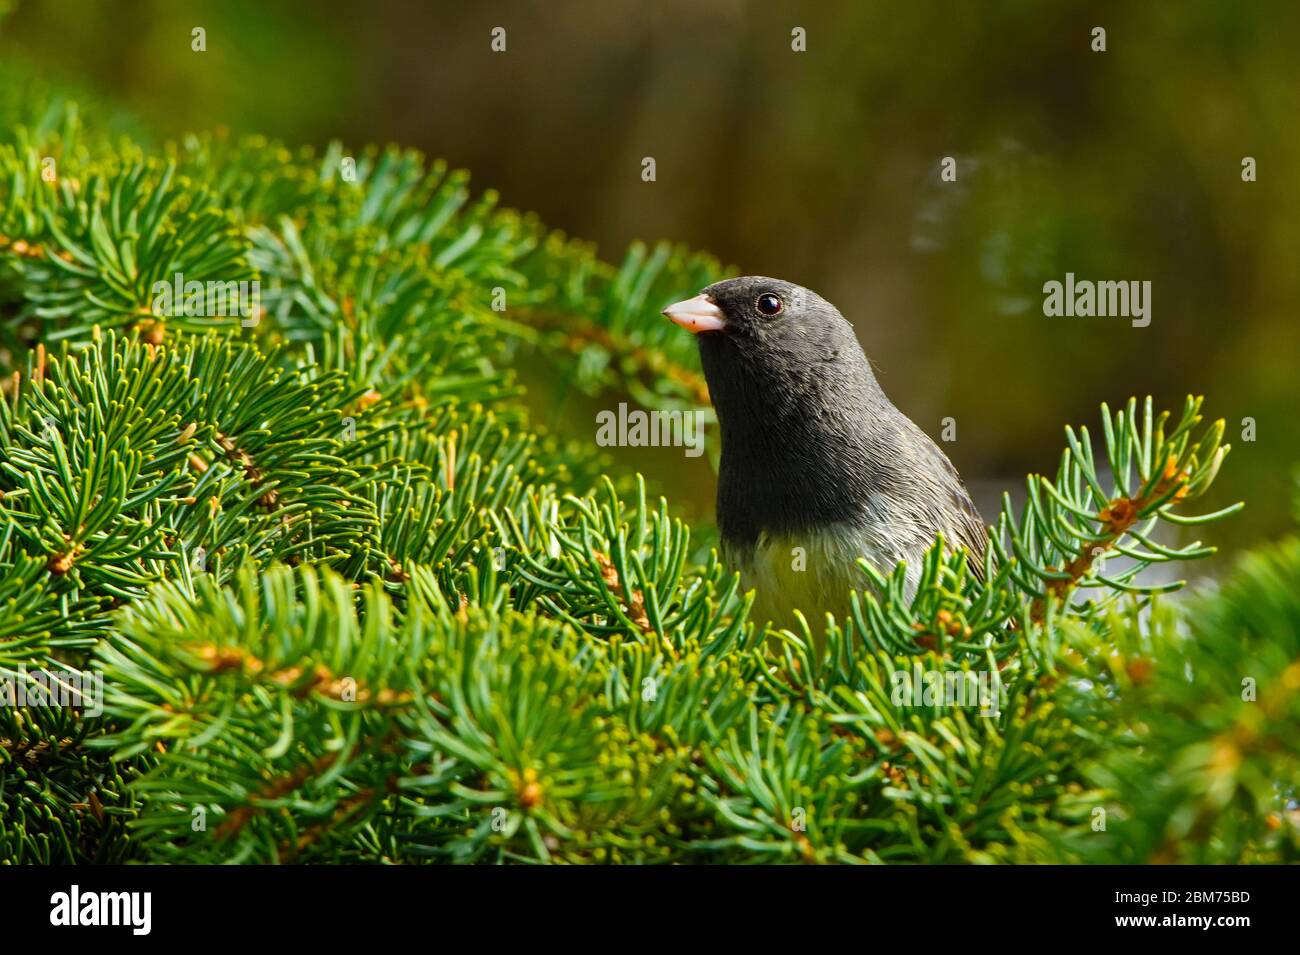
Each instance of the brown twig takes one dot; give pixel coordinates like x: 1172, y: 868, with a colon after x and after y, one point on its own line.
x: 633, y: 600
x: 1116, y: 518
x: 322, y: 681
x: 578, y: 333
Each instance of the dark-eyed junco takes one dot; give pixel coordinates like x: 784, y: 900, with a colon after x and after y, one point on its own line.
x: 818, y: 467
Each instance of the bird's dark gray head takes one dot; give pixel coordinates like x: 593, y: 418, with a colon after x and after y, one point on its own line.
x: 765, y: 341
x: 762, y: 319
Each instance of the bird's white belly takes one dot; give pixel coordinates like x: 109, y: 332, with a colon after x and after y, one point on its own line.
x: 813, y: 572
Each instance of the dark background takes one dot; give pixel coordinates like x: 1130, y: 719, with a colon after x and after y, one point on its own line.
x: 822, y: 168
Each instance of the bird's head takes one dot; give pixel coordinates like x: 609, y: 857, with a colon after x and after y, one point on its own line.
x: 768, y: 330
x: 754, y: 306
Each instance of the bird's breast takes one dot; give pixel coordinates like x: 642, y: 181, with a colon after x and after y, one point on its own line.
x: 813, y: 571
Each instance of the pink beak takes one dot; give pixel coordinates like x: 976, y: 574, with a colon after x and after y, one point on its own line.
x: 697, y: 315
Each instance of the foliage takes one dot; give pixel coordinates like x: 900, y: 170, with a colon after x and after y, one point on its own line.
x: 351, y: 604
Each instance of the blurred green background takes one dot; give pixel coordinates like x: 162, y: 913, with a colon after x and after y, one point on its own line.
x: 822, y: 168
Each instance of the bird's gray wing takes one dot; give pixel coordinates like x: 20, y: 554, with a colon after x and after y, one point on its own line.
x: 954, y: 513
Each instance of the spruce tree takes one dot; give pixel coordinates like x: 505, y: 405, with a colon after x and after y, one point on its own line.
x: 352, y: 602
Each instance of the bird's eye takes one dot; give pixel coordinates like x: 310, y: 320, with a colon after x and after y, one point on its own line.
x: 769, y: 304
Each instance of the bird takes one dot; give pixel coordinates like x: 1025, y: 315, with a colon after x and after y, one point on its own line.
x: 818, y: 468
